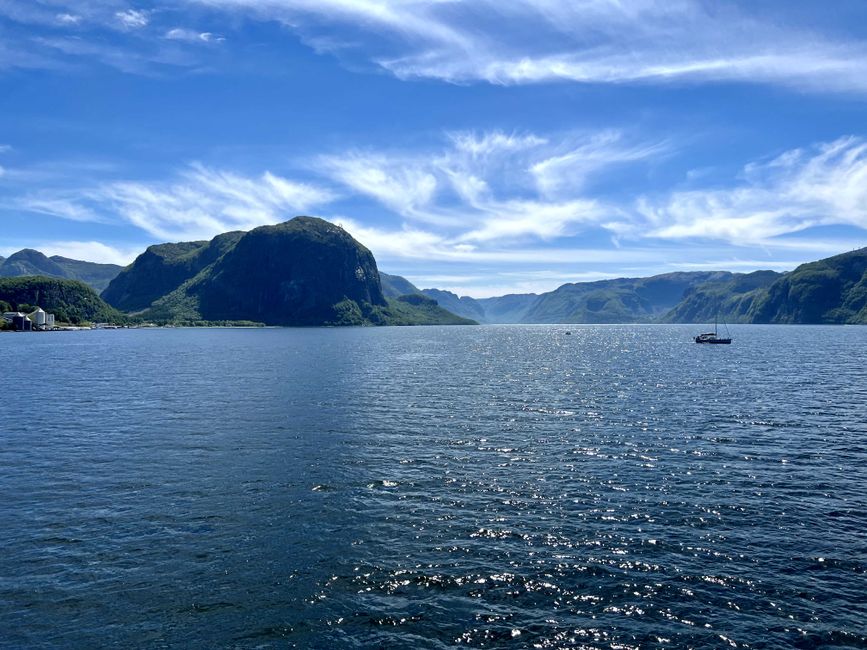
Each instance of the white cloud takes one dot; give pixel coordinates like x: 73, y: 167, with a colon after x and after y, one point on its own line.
x: 65, y: 207
x: 132, y: 18
x: 68, y: 19
x: 570, y: 170
x: 823, y: 185
x: 585, y: 41
x: 399, y: 183
x: 484, y: 187
x: 199, y: 204
x: 192, y: 36
x: 205, y: 202
x: 92, y: 251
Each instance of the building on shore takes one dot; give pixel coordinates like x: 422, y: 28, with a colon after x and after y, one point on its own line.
x: 35, y: 320
x: 22, y: 324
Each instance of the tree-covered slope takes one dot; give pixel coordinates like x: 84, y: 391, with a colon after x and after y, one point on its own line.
x: 730, y: 299
x: 624, y: 300
x: 163, y: 268
x: 832, y: 290
x: 306, y: 271
x: 71, y: 301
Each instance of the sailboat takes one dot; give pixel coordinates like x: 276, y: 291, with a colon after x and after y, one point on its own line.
x: 713, y: 337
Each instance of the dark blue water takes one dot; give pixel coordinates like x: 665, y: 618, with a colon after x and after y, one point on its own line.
x: 498, y: 487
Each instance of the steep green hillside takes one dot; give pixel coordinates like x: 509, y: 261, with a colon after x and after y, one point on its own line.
x: 163, y: 268
x: 832, y: 290
x: 71, y: 301
x: 394, y: 286
x: 730, y: 299
x: 462, y: 306
x: 302, y: 272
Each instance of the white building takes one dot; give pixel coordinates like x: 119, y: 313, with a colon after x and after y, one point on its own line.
x: 9, y: 315
x: 41, y: 320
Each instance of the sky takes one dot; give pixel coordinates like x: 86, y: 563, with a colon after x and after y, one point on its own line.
x: 480, y: 146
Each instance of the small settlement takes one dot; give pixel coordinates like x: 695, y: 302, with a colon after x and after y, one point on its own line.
x: 36, y: 321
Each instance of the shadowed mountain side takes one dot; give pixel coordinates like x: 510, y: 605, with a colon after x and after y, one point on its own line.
x: 463, y: 306
x: 163, y: 268
x: 394, y: 286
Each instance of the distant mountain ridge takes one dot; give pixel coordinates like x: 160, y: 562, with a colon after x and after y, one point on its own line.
x: 832, y: 290
x: 29, y: 262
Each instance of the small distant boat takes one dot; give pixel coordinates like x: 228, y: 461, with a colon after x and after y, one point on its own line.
x: 713, y: 337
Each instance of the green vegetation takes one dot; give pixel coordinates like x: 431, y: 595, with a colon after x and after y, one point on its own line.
x: 71, y: 301
x: 731, y: 299
x: 29, y: 262
x: 462, y: 306
x: 162, y: 269
x: 416, y: 309
x: 302, y: 272
x: 394, y: 286
x: 624, y: 300
x: 833, y: 290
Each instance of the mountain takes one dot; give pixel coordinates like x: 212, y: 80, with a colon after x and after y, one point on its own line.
x: 306, y: 271
x: 624, y: 300
x: 464, y: 306
x: 730, y: 298
x: 394, y: 286
x: 163, y: 268
x: 96, y: 275
x: 31, y: 262
x: 416, y: 309
x: 510, y: 308
x: 832, y: 290
x: 71, y: 301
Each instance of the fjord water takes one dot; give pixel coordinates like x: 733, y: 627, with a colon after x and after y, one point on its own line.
x: 496, y: 487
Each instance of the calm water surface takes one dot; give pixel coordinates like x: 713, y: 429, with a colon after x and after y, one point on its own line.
x: 497, y: 487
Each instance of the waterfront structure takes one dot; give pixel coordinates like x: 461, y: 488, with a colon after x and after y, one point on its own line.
x: 22, y: 323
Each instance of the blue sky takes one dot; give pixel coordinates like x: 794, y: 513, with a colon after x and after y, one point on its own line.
x: 481, y: 146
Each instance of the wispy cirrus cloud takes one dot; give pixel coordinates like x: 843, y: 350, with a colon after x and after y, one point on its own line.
x: 583, y: 41
x: 493, y: 186
x: 825, y: 184
x: 198, y: 204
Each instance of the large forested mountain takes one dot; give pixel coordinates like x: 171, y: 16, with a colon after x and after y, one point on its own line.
x: 306, y: 271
